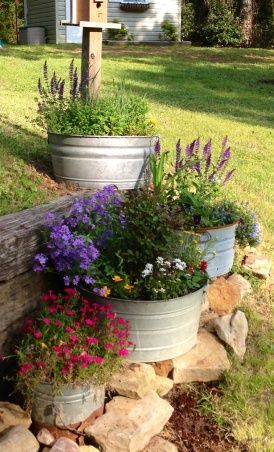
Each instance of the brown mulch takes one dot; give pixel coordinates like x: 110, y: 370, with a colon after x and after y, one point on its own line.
x: 191, y: 430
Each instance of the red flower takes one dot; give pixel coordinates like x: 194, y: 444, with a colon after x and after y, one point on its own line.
x: 52, y: 309
x: 91, y: 340
x: 56, y: 323
x: 73, y: 338
x: 98, y: 360
x: 49, y: 296
x: 24, y: 368
x: 46, y: 321
x: 123, y: 352
x: 203, y: 266
x: 68, y: 329
x: 40, y: 364
x: 70, y: 313
x: 108, y: 346
x: 37, y: 334
x: 71, y: 292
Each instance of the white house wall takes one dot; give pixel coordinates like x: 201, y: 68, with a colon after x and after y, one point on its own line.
x: 144, y: 26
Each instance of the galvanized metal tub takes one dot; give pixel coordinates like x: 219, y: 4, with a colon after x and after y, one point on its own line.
x: 72, y: 406
x: 219, y: 246
x: 95, y: 161
x: 162, y: 329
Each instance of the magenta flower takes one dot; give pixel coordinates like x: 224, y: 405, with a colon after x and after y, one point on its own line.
x: 68, y: 329
x: 73, y: 338
x: 46, y: 321
x: 37, y: 334
x: 123, y: 352
x: 108, y: 346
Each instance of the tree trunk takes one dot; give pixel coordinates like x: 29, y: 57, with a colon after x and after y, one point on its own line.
x: 247, y: 15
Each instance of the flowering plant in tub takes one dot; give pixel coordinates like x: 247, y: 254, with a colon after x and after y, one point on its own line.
x: 127, y: 249
x: 71, y: 342
x: 195, y: 192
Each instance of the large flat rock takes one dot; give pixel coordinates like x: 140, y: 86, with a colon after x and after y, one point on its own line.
x: 223, y: 296
x: 11, y: 414
x: 205, y: 362
x: 19, y: 439
x: 135, y: 380
x: 129, y: 425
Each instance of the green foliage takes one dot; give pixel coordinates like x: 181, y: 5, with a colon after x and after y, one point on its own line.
x: 188, y: 19
x: 169, y: 31
x: 119, y: 35
x: 221, y: 27
x: 70, y: 113
x: 11, y: 17
x: 147, y: 259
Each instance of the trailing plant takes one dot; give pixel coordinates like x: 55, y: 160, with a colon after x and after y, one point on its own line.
x: 72, y: 341
x: 69, y: 112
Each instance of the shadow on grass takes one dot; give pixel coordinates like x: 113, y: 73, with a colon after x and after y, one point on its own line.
x: 229, y: 91
x: 25, y: 145
x: 40, y: 52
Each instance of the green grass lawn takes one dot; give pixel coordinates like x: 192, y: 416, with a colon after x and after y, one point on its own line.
x: 192, y: 92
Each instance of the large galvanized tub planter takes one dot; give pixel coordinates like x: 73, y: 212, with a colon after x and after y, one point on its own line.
x: 72, y: 407
x: 92, y: 162
x: 160, y: 329
x: 218, y: 244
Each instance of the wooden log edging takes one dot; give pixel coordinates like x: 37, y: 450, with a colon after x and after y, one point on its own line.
x: 20, y: 235
x: 20, y: 287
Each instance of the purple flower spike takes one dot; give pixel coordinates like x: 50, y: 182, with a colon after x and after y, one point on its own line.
x: 207, y: 154
x: 197, y: 167
x: 226, y: 154
x: 190, y: 149
x: 178, y: 155
x: 157, y: 147
x: 228, y: 176
x: 197, y: 146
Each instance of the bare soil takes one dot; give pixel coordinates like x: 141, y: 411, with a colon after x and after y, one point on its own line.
x: 191, y: 430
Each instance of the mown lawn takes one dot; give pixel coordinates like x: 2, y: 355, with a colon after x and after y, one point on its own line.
x: 192, y: 92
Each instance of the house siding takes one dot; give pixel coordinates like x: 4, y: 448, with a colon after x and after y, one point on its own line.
x: 42, y: 13
x: 145, y: 25
x: 61, y: 35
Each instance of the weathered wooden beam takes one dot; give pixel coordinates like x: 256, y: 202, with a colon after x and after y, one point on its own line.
x: 20, y: 236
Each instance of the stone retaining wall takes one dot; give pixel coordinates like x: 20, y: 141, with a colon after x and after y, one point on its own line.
x: 20, y: 287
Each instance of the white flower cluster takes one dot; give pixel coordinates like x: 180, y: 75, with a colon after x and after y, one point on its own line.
x: 147, y: 271
x: 179, y: 265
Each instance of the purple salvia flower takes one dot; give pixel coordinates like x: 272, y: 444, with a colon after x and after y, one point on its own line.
x: 197, y: 167
x: 190, y: 149
x: 40, y: 87
x: 178, y: 155
x: 228, y: 176
x: 207, y: 155
x: 226, y: 154
x: 157, y: 147
x: 197, y: 146
x: 66, y: 280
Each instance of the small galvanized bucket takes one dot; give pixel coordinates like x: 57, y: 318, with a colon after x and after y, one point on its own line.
x: 219, y: 247
x: 95, y: 161
x: 161, y: 329
x: 73, y: 406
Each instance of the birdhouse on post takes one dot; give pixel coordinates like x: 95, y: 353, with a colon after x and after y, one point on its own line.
x: 91, y: 15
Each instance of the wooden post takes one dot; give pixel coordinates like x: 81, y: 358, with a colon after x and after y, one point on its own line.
x: 92, y: 16
x: 91, y: 61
